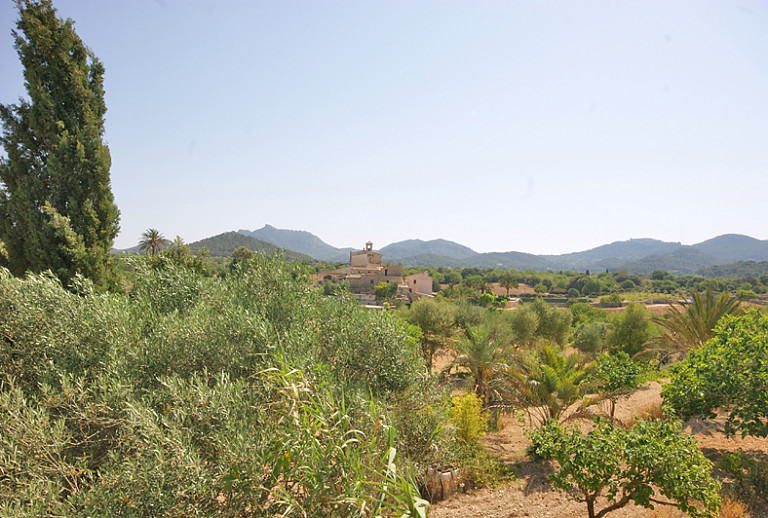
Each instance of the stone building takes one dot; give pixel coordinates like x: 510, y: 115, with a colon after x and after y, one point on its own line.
x: 365, y: 271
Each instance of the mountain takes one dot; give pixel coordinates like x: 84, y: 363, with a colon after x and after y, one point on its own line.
x: 223, y: 245
x: 299, y: 241
x: 612, y: 255
x: 686, y: 259
x: 731, y: 248
x: 417, y: 247
x: 509, y: 260
x: 426, y: 260
x: 633, y: 255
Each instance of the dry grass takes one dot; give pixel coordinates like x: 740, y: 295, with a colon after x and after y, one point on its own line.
x: 732, y: 508
x: 649, y: 412
x: 729, y: 508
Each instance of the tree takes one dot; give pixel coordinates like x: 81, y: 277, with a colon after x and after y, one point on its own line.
x: 56, y: 206
x: 615, y: 376
x: 631, y: 330
x: 508, y: 281
x: 590, y: 338
x: 152, y: 241
x: 482, y: 352
x: 436, y: 320
x: 630, y: 466
x: 385, y: 290
x: 694, y: 324
x: 729, y: 371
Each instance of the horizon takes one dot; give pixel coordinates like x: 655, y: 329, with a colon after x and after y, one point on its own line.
x: 541, y: 127
x: 454, y: 242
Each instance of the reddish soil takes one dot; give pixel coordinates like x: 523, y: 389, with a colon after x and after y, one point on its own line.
x: 530, y: 493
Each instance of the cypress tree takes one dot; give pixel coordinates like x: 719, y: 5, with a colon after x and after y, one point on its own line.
x: 57, y: 211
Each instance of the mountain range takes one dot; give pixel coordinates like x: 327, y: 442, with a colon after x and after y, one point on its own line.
x: 634, y: 255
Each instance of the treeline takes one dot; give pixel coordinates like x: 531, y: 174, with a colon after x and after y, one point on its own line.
x: 586, y: 284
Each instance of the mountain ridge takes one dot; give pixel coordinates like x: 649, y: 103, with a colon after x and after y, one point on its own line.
x: 636, y: 255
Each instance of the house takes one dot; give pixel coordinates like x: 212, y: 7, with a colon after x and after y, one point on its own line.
x: 419, y: 284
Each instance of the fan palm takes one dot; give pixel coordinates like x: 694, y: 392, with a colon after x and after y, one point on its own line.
x: 692, y: 323
x: 152, y: 241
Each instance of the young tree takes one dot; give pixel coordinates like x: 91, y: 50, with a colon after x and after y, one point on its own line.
x: 56, y: 206
x: 630, y: 466
x: 436, y: 320
x: 548, y: 384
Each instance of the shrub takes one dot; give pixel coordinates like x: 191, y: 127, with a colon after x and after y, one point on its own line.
x: 470, y: 420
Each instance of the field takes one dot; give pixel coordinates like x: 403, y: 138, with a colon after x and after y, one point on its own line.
x: 530, y: 495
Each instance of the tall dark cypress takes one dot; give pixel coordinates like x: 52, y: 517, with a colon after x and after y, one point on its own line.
x: 57, y: 211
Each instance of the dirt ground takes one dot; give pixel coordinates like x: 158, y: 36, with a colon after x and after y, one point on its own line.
x: 530, y: 493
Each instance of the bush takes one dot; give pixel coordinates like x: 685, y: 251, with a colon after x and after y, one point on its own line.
x: 200, y: 396
x: 470, y: 420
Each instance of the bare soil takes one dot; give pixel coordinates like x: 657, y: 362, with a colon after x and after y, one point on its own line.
x: 530, y: 493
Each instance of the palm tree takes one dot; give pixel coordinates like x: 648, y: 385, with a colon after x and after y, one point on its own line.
x: 547, y: 384
x: 693, y: 324
x: 508, y: 281
x: 152, y: 241
x: 482, y: 351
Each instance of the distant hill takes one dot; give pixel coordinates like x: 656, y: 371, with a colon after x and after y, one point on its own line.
x: 426, y: 260
x: 436, y: 247
x: 509, y: 260
x: 736, y: 270
x: 730, y: 248
x: 684, y: 260
x: 299, y: 241
x: 223, y: 245
x: 640, y: 256
x: 612, y: 255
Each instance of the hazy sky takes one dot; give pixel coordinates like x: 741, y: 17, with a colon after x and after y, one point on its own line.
x: 529, y: 125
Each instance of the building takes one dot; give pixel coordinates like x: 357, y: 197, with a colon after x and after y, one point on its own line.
x: 364, y: 272
x: 419, y: 284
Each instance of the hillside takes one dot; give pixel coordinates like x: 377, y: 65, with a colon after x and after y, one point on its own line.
x: 613, y: 254
x: 299, y: 241
x: 686, y: 259
x: 435, y: 247
x: 223, y: 245
x: 736, y: 270
x: 731, y: 248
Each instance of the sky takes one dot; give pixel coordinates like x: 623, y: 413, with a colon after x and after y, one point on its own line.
x: 541, y: 126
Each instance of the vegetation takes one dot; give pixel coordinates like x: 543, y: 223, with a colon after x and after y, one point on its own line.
x: 547, y: 384
x: 630, y: 466
x: 436, y: 321
x: 192, y: 395
x: 728, y: 372
x: 56, y: 206
x: 692, y: 323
